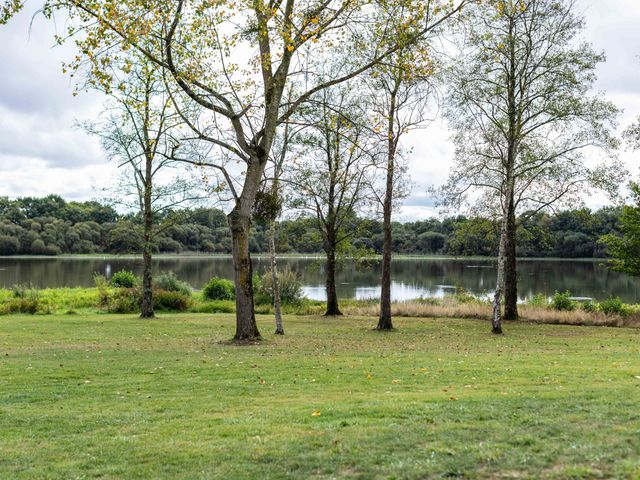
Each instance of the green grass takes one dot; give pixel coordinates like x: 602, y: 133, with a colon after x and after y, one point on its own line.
x: 117, y: 397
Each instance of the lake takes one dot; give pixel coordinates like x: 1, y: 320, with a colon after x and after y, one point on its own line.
x: 412, y: 277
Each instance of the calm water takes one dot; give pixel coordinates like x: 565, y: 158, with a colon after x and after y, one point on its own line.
x: 413, y: 277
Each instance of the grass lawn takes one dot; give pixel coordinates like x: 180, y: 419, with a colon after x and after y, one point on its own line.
x: 117, y: 397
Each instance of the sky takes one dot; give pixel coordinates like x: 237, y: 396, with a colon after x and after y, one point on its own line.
x: 42, y: 150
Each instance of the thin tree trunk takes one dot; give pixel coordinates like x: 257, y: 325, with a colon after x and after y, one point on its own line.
x: 385, y: 322
x: 332, y: 293
x: 274, y: 279
x: 146, y: 306
x: 496, y: 319
x: 511, y: 273
x: 246, y: 327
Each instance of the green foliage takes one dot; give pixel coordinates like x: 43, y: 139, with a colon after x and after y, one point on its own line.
x: 464, y: 297
x: 169, y: 282
x: 124, y: 279
x: 589, y: 306
x: 612, y: 306
x: 563, y: 302
x: 174, y: 301
x: 215, y: 306
x: 51, y: 226
x: 625, y: 248
x: 290, y: 288
x: 219, y: 289
x: 123, y: 300
x: 538, y: 300
x: 267, y: 206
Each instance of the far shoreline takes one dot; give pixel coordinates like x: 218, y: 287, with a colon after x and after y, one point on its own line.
x: 313, y: 256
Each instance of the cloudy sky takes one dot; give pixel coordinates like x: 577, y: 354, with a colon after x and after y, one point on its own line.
x: 42, y: 151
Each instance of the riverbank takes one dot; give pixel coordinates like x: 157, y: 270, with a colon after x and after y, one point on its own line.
x: 109, y: 300
x: 104, y: 396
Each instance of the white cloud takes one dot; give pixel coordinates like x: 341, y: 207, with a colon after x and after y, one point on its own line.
x: 41, y: 152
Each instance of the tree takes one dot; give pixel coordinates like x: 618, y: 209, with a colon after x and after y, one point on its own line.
x: 400, y: 89
x: 625, y: 249
x: 233, y: 61
x: 523, y: 117
x: 330, y: 177
x: 140, y: 134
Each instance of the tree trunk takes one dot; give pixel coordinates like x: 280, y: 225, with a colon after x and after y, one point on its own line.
x: 246, y: 327
x: 274, y: 279
x: 385, y: 322
x: 332, y: 293
x: 146, y: 306
x: 511, y: 273
x: 496, y: 319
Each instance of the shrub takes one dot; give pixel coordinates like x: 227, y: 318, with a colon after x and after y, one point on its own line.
x: 613, y: 306
x: 28, y: 306
x: 219, y: 289
x: 538, y: 300
x: 123, y: 300
x: 463, y: 296
x: 290, y: 288
x: 590, y: 306
x: 169, y: 282
x: 171, y: 300
x: 24, y: 290
x: 563, y: 302
x: 124, y: 279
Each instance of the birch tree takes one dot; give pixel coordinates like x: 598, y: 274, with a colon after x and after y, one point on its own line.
x: 525, y: 121
x: 400, y: 90
x: 330, y: 177
x: 140, y: 133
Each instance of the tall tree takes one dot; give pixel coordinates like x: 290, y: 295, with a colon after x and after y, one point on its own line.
x: 625, y: 249
x: 139, y: 132
x: 330, y: 177
x: 235, y: 60
x: 400, y: 89
x: 523, y: 116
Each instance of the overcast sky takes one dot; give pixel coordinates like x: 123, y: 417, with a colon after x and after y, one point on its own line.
x: 42, y: 152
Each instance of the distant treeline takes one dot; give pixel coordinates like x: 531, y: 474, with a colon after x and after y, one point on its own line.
x: 53, y: 226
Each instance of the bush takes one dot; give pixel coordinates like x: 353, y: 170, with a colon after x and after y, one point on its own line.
x: 563, y: 302
x: 538, y: 300
x: 123, y: 300
x: 613, y: 306
x: 169, y: 282
x: 171, y: 300
x: 463, y: 296
x: 23, y: 290
x: 590, y: 306
x: 219, y: 289
x: 290, y: 288
x: 28, y: 306
x: 124, y: 279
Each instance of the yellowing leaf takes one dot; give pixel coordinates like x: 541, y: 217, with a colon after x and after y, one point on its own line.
x: 316, y: 413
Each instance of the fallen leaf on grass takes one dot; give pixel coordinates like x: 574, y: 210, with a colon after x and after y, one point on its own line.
x: 316, y: 413
x: 261, y: 381
x: 395, y: 381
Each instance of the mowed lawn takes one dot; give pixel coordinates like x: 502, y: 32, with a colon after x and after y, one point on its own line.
x: 118, y: 397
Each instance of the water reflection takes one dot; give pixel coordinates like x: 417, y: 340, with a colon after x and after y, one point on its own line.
x: 413, y: 277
